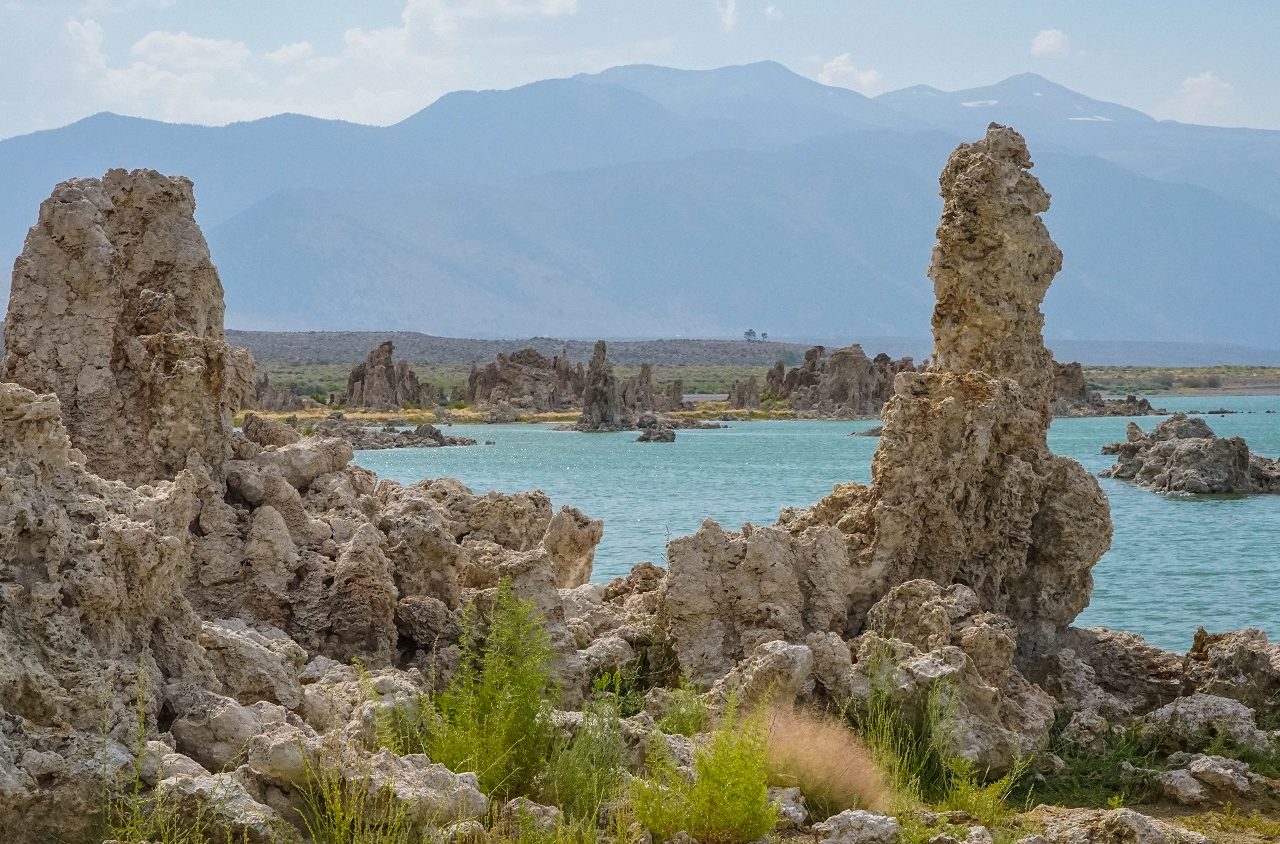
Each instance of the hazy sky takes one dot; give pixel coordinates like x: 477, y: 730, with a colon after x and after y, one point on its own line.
x: 377, y: 61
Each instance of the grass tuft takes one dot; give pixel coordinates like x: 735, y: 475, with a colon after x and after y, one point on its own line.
x: 494, y: 717
x: 827, y: 761
x: 728, y: 800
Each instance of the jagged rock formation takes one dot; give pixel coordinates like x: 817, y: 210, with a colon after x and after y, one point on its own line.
x: 364, y: 437
x: 117, y: 309
x: 964, y: 488
x: 745, y: 395
x: 527, y: 380
x: 602, y: 408
x: 1183, y: 455
x: 844, y: 385
x: 381, y: 383
x: 267, y: 396
x: 1072, y: 397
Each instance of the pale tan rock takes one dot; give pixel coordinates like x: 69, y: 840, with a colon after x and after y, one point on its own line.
x: 1110, y: 826
x: 1182, y: 455
x: 268, y: 432
x: 571, y: 539
x: 117, y: 308
x: 964, y: 487
x: 725, y: 593
x: 91, y: 577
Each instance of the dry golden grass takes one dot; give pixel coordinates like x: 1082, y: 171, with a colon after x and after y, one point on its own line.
x: 827, y: 760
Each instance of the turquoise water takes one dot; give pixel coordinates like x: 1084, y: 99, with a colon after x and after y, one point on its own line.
x: 1174, y: 563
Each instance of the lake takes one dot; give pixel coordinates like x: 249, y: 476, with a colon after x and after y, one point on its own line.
x: 1174, y: 563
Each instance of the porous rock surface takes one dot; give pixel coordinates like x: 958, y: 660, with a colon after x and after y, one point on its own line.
x: 964, y: 488
x: 602, y: 407
x: 1183, y: 455
x: 117, y: 309
x: 382, y: 383
x: 528, y: 380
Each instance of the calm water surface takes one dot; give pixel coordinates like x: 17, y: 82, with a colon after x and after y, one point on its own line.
x: 1174, y: 563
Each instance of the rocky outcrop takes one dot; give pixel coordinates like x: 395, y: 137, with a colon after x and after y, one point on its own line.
x: 745, y: 395
x: 264, y: 395
x: 964, y: 487
x: 95, y: 622
x: 381, y: 383
x: 1072, y: 397
x: 527, y: 380
x: 845, y: 385
x: 365, y: 437
x: 1183, y: 455
x: 117, y: 309
x: 602, y: 408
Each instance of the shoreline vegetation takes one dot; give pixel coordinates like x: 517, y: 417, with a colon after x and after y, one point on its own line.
x: 710, y: 380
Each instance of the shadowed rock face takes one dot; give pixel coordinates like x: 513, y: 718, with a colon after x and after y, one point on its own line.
x: 527, y: 379
x: 602, y: 408
x: 381, y: 383
x: 117, y: 308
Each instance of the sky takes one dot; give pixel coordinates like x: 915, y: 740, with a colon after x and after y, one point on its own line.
x: 378, y: 61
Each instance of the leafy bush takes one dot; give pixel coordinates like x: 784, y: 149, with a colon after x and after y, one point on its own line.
x: 494, y: 717
x: 585, y: 773
x: 909, y: 747
x: 728, y: 800
x: 688, y: 714
x: 826, y: 760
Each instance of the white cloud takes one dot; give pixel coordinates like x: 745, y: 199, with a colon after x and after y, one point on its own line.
x: 1204, y: 97
x: 728, y: 10
x: 773, y: 13
x: 291, y: 53
x: 185, y: 52
x: 1050, y: 43
x: 842, y: 73
x: 445, y: 17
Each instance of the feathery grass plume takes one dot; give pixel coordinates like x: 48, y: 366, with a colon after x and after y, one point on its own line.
x: 728, y: 800
x: 826, y: 760
x: 494, y: 717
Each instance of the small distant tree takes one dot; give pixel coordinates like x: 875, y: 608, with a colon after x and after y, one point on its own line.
x: 764, y: 335
x: 749, y: 334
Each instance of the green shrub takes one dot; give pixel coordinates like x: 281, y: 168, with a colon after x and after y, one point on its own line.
x: 986, y: 801
x: 337, y: 810
x: 585, y: 773
x: 688, y: 714
x: 909, y: 747
x: 728, y: 800
x: 494, y: 717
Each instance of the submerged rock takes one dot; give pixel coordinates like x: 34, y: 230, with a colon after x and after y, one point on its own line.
x: 117, y: 308
x: 1183, y: 455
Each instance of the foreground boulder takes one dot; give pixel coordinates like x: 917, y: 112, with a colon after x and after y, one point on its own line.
x: 117, y: 308
x: 1183, y: 455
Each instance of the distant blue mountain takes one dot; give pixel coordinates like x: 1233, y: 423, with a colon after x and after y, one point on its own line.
x: 648, y: 201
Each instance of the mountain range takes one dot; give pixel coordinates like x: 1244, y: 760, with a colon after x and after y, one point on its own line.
x: 648, y: 201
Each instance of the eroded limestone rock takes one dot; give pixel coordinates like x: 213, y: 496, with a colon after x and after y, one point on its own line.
x: 1183, y: 455
x: 117, y: 308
